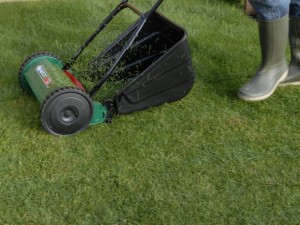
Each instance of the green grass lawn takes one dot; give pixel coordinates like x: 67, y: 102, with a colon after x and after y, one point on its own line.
x: 207, y: 159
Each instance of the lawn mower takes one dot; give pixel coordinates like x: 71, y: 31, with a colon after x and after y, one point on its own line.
x: 152, y: 56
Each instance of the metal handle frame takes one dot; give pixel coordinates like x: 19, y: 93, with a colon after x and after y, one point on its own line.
x: 123, y: 5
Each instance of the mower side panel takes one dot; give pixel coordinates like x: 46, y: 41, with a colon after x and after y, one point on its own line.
x: 167, y: 80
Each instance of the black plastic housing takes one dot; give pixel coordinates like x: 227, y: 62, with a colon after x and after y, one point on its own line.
x: 157, y: 67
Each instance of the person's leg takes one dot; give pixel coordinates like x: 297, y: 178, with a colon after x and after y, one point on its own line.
x: 295, y: 9
x: 293, y: 77
x: 268, y: 10
x: 273, y: 33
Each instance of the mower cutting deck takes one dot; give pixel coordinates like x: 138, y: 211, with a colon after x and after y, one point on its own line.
x: 152, y: 54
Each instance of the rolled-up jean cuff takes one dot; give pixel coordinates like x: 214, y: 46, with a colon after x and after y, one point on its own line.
x: 268, y: 10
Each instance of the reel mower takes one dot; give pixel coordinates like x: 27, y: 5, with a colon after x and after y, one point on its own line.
x: 152, y: 55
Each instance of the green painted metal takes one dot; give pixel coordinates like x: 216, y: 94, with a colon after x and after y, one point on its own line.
x: 100, y: 114
x: 43, y: 75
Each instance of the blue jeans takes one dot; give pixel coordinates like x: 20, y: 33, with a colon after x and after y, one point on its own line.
x: 268, y: 10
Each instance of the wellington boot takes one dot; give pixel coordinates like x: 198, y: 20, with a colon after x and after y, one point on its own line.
x: 293, y: 77
x: 273, y: 69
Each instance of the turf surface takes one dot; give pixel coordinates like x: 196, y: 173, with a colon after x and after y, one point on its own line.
x: 207, y: 159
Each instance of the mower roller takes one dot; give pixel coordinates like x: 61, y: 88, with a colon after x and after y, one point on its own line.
x: 152, y: 56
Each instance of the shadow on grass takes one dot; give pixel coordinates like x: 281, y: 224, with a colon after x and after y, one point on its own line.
x: 219, y: 71
x: 233, y: 2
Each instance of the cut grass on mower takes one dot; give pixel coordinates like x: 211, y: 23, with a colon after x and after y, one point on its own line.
x: 207, y: 159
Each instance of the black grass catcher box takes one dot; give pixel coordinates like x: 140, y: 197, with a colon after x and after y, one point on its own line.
x: 151, y: 58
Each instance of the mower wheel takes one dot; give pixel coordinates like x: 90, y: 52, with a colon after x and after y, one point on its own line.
x: 67, y: 111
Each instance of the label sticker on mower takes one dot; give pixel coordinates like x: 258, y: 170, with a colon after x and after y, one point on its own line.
x: 44, y: 75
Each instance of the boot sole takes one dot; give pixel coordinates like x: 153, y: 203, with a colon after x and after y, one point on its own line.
x: 253, y: 99
x: 289, y: 84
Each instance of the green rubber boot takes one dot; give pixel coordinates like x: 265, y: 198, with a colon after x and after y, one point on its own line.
x: 293, y: 77
x: 273, y: 69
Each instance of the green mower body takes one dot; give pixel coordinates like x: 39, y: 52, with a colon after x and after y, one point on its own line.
x: 151, y: 60
x: 66, y: 108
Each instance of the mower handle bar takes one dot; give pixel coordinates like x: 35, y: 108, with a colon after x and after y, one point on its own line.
x: 124, y: 4
x: 134, y: 35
